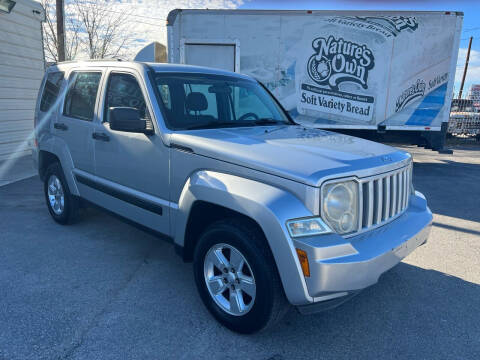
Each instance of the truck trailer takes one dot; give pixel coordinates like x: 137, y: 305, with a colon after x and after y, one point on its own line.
x: 370, y: 72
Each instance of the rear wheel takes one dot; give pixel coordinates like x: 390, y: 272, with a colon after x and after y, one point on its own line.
x: 237, y: 278
x: 61, y: 204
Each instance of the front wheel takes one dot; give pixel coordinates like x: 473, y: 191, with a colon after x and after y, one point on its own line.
x: 237, y: 278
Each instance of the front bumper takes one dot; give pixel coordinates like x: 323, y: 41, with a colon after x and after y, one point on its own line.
x: 341, y: 267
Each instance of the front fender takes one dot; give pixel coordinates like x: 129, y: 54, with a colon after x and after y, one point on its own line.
x: 269, y: 206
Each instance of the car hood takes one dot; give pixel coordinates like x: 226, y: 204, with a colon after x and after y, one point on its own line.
x: 297, y: 153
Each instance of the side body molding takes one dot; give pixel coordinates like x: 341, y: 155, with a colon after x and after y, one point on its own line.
x: 269, y: 206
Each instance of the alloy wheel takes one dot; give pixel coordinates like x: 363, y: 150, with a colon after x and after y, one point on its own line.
x: 56, y: 196
x: 229, y: 279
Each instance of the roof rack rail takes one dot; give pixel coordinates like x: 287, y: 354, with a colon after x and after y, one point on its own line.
x: 89, y: 60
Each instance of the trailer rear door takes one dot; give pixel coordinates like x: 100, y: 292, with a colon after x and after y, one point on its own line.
x: 221, y: 56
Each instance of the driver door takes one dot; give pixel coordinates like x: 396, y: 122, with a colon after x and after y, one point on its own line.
x: 131, y: 168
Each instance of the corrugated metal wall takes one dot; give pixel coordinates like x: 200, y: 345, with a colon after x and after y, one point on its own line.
x: 21, y: 71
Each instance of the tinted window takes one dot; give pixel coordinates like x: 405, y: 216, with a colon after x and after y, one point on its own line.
x: 51, y: 90
x: 81, y: 96
x: 124, y: 91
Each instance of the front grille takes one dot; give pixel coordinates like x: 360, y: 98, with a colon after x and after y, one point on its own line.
x: 383, y: 197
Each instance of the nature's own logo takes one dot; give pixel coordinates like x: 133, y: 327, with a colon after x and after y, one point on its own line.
x: 398, y: 23
x: 386, y: 25
x: 414, y: 91
x: 337, y: 60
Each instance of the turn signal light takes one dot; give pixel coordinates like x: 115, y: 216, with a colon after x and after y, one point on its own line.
x: 303, y: 258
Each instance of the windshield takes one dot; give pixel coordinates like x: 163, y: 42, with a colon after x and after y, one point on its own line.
x: 200, y: 101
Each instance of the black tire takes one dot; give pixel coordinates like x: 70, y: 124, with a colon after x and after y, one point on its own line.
x: 70, y: 208
x: 270, y: 303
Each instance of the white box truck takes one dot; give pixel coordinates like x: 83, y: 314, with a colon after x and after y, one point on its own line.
x: 347, y: 70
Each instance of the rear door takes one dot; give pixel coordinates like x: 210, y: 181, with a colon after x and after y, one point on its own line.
x: 220, y: 56
x: 73, y: 125
x: 132, y: 169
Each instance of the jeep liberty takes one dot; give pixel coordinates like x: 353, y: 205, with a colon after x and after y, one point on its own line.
x: 271, y: 213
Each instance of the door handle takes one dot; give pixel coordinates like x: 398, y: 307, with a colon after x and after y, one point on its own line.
x: 100, y: 136
x: 60, y: 126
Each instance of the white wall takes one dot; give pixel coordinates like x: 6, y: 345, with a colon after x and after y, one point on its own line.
x: 21, y: 71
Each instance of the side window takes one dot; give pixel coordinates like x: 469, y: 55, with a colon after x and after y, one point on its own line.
x: 124, y: 91
x: 51, y: 90
x: 81, y: 96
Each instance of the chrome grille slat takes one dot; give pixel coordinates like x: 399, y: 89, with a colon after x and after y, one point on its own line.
x: 360, y: 214
x: 370, y: 204
x: 383, y: 198
x: 379, y: 204
x: 407, y: 188
x: 386, y: 213
x: 400, y: 192
x: 394, y: 195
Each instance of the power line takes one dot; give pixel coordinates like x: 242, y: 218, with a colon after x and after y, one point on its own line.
x: 471, y: 29
x: 141, y: 16
x: 135, y: 15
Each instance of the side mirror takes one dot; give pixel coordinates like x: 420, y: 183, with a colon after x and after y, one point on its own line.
x: 128, y: 119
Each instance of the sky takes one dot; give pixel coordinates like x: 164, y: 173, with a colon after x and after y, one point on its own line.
x: 148, y: 19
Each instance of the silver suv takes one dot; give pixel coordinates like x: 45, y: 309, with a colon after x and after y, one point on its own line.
x: 271, y: 213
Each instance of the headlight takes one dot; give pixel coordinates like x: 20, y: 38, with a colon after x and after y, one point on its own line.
x: 340, y: 206
x: 307, y: 227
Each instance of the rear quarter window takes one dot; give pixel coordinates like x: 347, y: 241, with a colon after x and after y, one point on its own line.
x: 51, y: 90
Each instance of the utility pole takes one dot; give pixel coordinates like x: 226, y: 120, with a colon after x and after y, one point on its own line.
x: 60, y: 31
x: 466, y: 67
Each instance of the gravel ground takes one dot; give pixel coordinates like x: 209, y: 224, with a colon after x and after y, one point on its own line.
x: 101, y: 289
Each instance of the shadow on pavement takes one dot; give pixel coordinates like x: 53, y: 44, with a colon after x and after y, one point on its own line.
x: 411, y: 313
x: 445, y: 185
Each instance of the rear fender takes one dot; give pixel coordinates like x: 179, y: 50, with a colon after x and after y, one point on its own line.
x: 59, y: 148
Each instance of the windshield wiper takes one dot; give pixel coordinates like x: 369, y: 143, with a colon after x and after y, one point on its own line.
x: 216, y: 124
x: 269, y: 121
x: 229, y: 124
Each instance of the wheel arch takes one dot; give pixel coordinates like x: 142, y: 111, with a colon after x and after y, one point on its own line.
x: 45, y: 159
x: 202, y: 214
x: 57, y: 150
x: 217, y: 195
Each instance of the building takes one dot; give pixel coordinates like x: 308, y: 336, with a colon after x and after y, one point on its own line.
x: 21, y: 70
x: 474, y: 95
x: 464, y: 117
x: 153, y: 52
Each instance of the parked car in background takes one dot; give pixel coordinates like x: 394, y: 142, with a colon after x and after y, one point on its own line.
x: 270, y: 212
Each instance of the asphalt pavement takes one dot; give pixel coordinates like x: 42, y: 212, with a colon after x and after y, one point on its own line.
x: 102, y: 289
